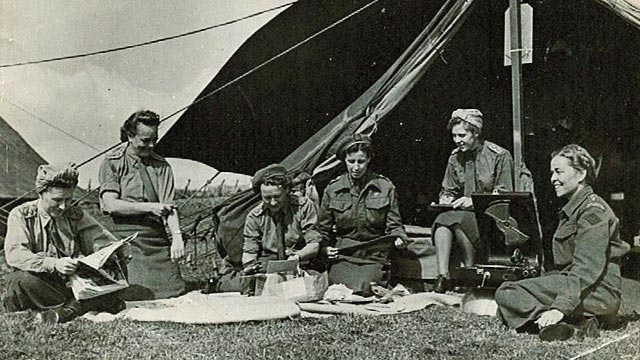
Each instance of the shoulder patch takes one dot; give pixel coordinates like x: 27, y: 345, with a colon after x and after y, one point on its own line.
x: 593, y: 218
x: 116, y: 153
x: 29, y: 209
x: 75, y: 213
x: 495, y: 148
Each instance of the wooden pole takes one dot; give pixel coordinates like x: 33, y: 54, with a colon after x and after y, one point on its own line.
x: 516, y: 87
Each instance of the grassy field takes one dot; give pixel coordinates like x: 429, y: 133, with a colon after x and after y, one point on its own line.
x: 434, y: 333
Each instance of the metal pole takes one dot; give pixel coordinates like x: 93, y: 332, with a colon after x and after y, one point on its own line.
x: 516, y: 87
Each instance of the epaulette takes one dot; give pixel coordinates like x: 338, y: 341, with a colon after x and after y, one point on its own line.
x: 495, y: 148
x: 74, y: 213
x: 116, y: 153
x: 29, y: 209
x: 595, y: 202
x: 335, y: 179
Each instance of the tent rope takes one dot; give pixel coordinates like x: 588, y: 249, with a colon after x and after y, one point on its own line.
x: 251, y: 71
x: 146, y: 43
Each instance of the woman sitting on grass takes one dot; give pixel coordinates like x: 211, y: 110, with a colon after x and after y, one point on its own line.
x: 586, y: 249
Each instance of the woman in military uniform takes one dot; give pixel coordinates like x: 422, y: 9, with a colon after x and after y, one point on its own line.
x: 475, y: 165
x: 586, y: 251
x: 356, y: 207
x: 137, y: 189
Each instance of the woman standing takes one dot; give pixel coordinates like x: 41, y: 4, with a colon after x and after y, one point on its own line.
x: 586, y: 251
x: 475, y: 165
x: 136, y: 189
x: 356, y: 207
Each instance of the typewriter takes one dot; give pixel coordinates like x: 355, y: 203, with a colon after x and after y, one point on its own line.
x: 510, y: 237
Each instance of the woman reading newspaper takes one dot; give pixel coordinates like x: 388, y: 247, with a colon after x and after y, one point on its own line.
x: 44, y: 240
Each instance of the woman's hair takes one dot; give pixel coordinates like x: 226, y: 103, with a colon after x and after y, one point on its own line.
x: 130, y: 127
x: 364, y: 147
x: 469, y: 127
x: 579, y: 159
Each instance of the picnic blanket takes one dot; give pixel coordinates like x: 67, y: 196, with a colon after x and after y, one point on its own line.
x: 399, y: 305
x: 198, y: 308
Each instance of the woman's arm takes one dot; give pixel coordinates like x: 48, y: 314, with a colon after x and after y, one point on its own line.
x: 451, y: 187
x: 504, y: 176
x: 112, y: 204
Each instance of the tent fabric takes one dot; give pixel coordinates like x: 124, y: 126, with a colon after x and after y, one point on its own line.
x: 362, y: 115
x: 627, y: 9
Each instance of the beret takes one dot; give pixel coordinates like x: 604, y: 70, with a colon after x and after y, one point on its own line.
x: 471, y: 116
x: 271, y: 172
x: 349, y: 141
x: 48, y: 174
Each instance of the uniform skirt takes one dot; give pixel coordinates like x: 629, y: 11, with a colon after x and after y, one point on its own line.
x: 465, y: 219
x: 151, y: 273
x: 357, y: 272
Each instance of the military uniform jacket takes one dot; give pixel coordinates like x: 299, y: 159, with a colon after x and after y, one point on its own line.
x: 493, y: 170
x: 29, y: 244
x: 120, y: 173
x: 587, y: 247
x: 360, y: 216
x: 300, y: 217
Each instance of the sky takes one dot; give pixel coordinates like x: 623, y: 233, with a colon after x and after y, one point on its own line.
x: 91, y: 97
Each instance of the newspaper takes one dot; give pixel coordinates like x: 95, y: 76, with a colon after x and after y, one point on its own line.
x: 99, y: 273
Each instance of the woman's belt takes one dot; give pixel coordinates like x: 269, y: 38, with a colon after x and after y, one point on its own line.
x: 146, y: 226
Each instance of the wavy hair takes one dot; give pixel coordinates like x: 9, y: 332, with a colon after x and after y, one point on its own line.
x: 579, y: 159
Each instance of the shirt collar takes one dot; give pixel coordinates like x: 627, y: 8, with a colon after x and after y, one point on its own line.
x: 576, y: 200
x: 45, y: 218
x: 343, y: 182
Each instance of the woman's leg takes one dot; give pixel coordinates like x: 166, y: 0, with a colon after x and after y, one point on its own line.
x: 468, y: 250
x: 443, y: 239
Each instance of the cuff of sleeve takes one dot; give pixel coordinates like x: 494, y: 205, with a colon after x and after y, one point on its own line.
x: 115, y: 187
x: 49, y: 264
x: 563, y: 305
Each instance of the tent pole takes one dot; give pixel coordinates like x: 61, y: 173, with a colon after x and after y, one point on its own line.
x: 516, y: 87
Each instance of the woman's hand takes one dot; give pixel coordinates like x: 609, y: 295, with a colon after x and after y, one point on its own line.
x: 463, y: 203
x: 177, y: 247
x: 399, y: 243
x: 66, y: 265
x: 332, y: 252
x: 549, y: 317
x: 159, y: 209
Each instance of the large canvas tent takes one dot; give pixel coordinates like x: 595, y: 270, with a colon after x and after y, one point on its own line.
x: 582, y: 87
x: 18, y: 165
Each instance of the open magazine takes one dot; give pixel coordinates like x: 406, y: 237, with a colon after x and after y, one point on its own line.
x: 100, y: 273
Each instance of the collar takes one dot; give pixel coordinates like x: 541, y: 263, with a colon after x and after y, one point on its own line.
x: 45, y: 218
x: 343, y: 182
x: 576, y: 200
x: 136, y: 158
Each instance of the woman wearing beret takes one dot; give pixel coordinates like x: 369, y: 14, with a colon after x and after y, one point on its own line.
x: 475, y: 165
x: 356, y: 207
x: 586, y: 251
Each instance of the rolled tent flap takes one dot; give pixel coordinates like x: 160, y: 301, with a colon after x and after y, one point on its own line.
x: 627, y: 9
x: 362, y: 115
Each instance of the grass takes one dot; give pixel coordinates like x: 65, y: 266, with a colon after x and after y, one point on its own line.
x: 433, y: 333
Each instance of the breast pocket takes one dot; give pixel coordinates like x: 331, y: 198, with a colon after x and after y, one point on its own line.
x: 377, y: 208
x: 341, y: 212
x: 565, y: 232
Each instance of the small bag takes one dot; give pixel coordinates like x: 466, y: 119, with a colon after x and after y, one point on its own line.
x: 306, y: 286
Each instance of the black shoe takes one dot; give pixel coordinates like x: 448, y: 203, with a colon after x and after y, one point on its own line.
x: 60, y: 315
x: 557, y: 332
x: 442, y: 285
x: 588, y: 328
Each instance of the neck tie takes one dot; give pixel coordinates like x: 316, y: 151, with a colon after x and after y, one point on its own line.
x: 279, y: 220
x: 469, y: 174
x: 56, y: 240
